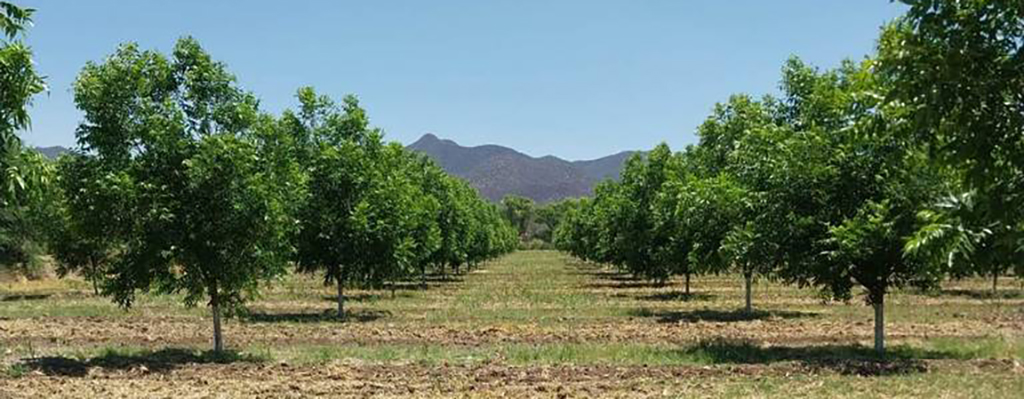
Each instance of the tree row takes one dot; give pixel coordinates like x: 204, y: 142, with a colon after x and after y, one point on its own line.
x: 900, y: 170
x: 180, y: 184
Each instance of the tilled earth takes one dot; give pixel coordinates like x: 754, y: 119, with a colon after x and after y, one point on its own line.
x: 529, y: 298
x: 497, y: 380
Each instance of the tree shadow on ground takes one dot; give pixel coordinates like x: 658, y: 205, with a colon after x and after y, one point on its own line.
x: 416, y: 285
x: 604, y: 274
x: 843, y: 359
x: 671, y: 296
x: 327, y: 316
x: 982, y: 293
x: 358, y: 297
x: 432, y: 281
x: 25, y: 297
x: 626, y: 284
x: 692, y: 316
x: 160, y: 361
x: 444, y: 278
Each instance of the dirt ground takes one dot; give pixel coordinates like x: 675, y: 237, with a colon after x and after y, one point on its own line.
x: 533, y: 324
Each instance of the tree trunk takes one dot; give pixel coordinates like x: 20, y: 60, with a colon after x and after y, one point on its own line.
x: 995, y: 282
x: 748, y: 278
x: 93, y: 276
x: 879, y: 305
x: 341, y: 298
x: 423, y: 277
x: 218, y: 337
x: 687, y: 289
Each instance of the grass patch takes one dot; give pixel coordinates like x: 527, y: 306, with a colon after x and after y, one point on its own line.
x: 592, y: 354
x: 977, y: 348
x: 711, y: 352
x: 14, y: 371
x: 385, y: 354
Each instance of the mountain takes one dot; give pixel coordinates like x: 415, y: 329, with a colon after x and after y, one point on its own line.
x: 499, y: 171
x: 608, y: 167
x: 52, y: 152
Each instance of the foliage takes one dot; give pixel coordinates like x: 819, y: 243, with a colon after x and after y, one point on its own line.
x: 170, y: 144
x: 520, y: 211
x: 377, y: 213
x: 958, y: 67
x: 25, y: 176
x: 92, y: 220
x: 820, y: 187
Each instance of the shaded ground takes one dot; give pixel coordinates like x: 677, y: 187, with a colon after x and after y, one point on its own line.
x: 520, y: 326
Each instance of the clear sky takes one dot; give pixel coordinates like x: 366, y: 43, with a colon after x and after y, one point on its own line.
x: 573, y: 78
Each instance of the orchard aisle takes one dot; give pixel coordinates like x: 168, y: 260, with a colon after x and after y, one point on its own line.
x: 522, y: 288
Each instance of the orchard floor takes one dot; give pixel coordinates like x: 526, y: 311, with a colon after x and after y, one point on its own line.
x: 532, y: 324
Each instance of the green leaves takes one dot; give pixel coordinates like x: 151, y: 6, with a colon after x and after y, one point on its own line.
x: 180, y: 163
x: 958, y: 67
x: 520, y: 211
x: 376, y: 213
x: 13, y: 19
x: 25, y: 176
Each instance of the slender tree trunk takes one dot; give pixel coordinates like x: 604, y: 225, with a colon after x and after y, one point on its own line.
x: 218, y: 337
x: 93, y: 276
x: 748, y: 279
x: 687, y: 289
x: 341, y: 298
x: 879, y: 305
x: 423, y: 277
x: 995, y: 282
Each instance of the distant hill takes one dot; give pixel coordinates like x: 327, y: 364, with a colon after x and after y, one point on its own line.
x: 52, y: 152
x: 499, y: 171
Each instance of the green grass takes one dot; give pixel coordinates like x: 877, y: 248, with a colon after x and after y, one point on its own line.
x: 14, y: 370
x: 710, y: 352
x: 540, y: 308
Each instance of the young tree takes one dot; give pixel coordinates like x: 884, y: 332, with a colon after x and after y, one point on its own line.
x: 426, y: 231
x: 730, y: 152
x: 348, y: 195
x: 707, y: 210
x: 870, y: 178
x: 635, y: 239
x: 673, y: 241
x: 205, y: 216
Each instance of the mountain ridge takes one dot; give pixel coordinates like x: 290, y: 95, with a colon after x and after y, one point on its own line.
x: 497, y: 171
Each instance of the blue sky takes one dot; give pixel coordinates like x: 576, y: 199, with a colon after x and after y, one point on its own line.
x: 573, y: 78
